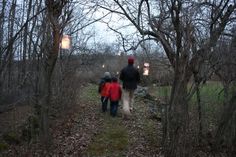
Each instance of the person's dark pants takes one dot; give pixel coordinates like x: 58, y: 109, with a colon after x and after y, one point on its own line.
x: 104, y: 101
x: 114, y: 107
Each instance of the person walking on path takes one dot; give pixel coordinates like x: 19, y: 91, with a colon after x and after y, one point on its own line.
x: 115, y: 96
x: 130, y: 77
x: 103, y: 89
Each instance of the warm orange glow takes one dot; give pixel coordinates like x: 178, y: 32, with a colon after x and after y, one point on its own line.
x: 65, y: 42
x: 146, y: 64
x: 146, y: 69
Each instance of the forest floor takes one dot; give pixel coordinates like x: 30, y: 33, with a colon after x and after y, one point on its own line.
x: 87, y: 132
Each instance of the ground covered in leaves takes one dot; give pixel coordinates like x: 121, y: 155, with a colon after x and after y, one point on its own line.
x: 87, y: 132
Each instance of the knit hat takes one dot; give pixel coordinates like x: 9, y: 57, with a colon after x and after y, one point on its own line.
x: 131, y: 60
x: 107, y: 74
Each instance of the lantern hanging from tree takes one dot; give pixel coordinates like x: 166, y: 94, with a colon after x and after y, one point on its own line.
x: 65, y: 42
x: 146, y: 69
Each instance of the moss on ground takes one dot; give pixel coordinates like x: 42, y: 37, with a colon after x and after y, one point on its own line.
x: 3, y: 146
x: 111, y: 141
x: 90, y: 93
x: 117, y: 137
x: 11, y: 138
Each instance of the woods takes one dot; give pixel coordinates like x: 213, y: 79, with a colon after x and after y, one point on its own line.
x: 189, y: 44
x: 188, y: 35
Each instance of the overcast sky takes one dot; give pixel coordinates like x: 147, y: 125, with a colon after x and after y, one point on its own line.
x: 104, y: 34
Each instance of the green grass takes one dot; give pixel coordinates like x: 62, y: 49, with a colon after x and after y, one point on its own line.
x: 90, y: 93
x: 11, y: 138
x: 112, y: 141
x: 3, y: 146
x: 210, y: 92
x: 162, y: 92
x: 151, y: 133
x: 212, y: 99
x: 212, y: 102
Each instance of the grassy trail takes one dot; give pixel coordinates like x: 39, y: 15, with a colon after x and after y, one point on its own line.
x: 138, y: 136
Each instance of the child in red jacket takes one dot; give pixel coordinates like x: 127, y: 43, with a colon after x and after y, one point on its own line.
x: 104, y: 87
x: 115, y: 96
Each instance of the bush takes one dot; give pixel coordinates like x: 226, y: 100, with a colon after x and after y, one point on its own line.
x: 11, y: 138
x: 31, y: 129
x: 3, y: 146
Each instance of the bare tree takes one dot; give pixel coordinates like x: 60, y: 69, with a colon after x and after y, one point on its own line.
x: 225, y: 56
x: 187, y: 31
x: 57, y: 15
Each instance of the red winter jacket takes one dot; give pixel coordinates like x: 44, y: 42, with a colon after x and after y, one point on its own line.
x: 115, y: 91
x: 105, y: 89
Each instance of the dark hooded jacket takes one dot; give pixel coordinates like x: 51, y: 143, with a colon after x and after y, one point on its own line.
x: 130, y: 77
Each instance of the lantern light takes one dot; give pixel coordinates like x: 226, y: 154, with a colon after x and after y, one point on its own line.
x: 212, y: 49
x: 138, y: 66
x: 103, y: 66
x: 65, y: 42
x: 146, y: 69
x: 146, y: 64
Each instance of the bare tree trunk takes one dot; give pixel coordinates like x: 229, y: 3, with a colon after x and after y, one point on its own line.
x: 50, y: 64
x: 225, y: 133
x: 165, y: 125
x: 199, y: 113
x: 179, y: 122
x: 178, y: 115
x: 2, y: 17
x: 226, y: 92
x: 197, y: 81
x: 54, y: 11
x: 10, y: 36
x: 25, y: 38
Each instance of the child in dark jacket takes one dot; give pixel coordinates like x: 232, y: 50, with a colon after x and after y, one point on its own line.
x: 104, y: 87
x: 115, y: 96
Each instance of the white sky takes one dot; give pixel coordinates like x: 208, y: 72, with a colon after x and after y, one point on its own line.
x: 104, y: 34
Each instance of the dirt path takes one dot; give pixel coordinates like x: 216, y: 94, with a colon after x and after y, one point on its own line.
x: 92, y: 133
x: 87, y: 132
x: 136, y: 137
x: 144, y: 132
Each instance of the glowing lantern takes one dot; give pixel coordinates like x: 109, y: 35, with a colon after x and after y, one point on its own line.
x: 146, y: 64
x: 145, y: 72
x: 212, y: 49
x: 146, y: 69
x: 65, y: 42
x: 103, y: 66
